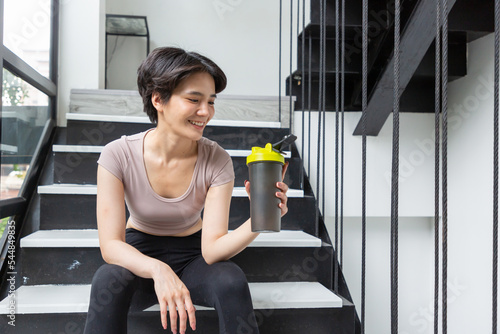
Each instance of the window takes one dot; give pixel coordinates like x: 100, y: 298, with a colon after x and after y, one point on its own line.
x: 28, y: 51
x: 27, y: 26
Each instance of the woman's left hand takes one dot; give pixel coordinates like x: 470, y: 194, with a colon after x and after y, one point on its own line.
x: 282, y: 186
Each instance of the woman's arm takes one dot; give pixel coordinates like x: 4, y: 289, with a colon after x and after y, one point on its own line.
x: 169, y: 288
x: 219, y: 245
x: 111, y: 227
x: 216, y: 244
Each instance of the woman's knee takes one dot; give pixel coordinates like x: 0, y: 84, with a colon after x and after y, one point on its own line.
x: 113, y: 278
x: 111, y: 293
x: 111, y: 284
x: 229, y: 280
x: 232, y: 299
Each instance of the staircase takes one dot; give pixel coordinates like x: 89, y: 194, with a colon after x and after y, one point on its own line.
x: 290, y: 273
x: 468, y: 20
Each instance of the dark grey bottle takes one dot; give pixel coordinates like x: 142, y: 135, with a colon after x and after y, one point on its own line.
x: 265, y: 167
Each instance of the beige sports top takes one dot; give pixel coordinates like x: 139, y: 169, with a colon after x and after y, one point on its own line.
x: 150, y: 212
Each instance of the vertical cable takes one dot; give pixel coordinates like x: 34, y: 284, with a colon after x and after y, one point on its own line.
x: 437, y: 165
x: 322, y: 96
x: 364, y: 100
x: 395, y: 175
x: 437, y: 108
x: 337, y: 135
x: 309, y: 99
x: 279, y: 62
x: 323, y: 112
x: 290, y: 78
x: 320, y: 100
x: 495, y: 171
x: 444, y: 166
x: 303, y: 80
x: 298, y: 19
x: 342, y: 102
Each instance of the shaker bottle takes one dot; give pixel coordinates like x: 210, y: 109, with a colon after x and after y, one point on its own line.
x: 265, y: 167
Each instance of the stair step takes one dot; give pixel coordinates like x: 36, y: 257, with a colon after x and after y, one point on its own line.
x: 75, y: 298
x: 230, y: 107
x: 77, y: 164
x: 88, y: 189
x: 293, y: 295
x: 93, y: 129
x: 73, y: 206
x: 89, y: 238
x: 145, y: 120
x: 98, y: 149
x: 75, y: 254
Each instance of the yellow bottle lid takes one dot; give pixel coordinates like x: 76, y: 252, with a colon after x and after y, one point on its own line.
x: 265, y: 154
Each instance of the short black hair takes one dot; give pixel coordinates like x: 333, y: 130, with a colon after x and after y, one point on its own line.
x: 163, y: 70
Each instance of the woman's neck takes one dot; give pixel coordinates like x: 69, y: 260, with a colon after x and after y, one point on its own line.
x: 170, y: 147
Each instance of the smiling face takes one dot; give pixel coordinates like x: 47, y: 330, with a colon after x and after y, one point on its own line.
x: 190, y: 107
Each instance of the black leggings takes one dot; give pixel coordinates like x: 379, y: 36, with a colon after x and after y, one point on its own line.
x: 222, y: 285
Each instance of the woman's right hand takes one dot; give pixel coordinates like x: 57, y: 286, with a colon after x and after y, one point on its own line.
x: 172, y: 293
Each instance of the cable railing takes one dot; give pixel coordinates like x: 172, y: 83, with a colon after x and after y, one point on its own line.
x: 314, y: 131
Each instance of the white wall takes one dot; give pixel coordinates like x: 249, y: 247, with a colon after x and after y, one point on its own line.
x: 416, y: 211
x: 81, y: 49
x: 470, y: 191
x: 241, y: 36
x: 416, y: 160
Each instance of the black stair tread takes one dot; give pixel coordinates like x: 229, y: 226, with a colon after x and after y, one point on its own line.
x: 276, y: 262
x: 49, y: 299
x: 82, y: 149
x: 354, y: 31
x: 467, y: 15
x: 280, y: 321
x: 330, y: 76
x: 77, y: 164
x: 89, y: 238
x: 313, y: 29
x: 60, y: 211
x: 93, y: 129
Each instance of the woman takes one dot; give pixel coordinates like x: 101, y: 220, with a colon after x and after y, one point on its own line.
x: 167, y: 176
